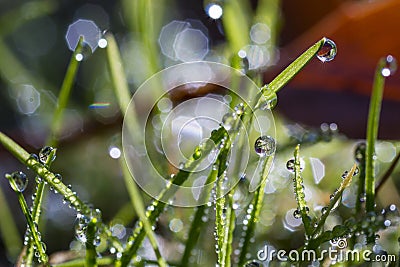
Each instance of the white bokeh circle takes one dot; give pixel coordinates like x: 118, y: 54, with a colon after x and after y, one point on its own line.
x: 157, y: 140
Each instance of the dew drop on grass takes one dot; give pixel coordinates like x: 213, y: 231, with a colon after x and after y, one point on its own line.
x: 290, y: 165
x: 57, y: 178
x: 214, y: 10
x: 297, y: 214
x: 390, y: 66
x: 228, y: 120
x: 328, y: 51
x: 45, y: 153
x: 20, y: 181
x: 265, y: 146
x: 253, y: 263
x: 359, y: 152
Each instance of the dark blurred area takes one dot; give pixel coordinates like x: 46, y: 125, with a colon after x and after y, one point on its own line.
x: 33, y: 51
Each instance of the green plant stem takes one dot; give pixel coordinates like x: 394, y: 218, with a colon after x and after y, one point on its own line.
x: 138, y: 206
x: 231, y: 217
x: 299, y: 193
x: 34, y: 234
x: 372, y: 135
x: 91, y: 256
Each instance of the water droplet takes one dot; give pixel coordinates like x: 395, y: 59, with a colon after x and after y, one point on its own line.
x: 324, y: 210
x: 390, y: 66
x: 102, y: 43
x: 269, y: 98
x: 344, y: 175
x: 81, y: 224
x: 359, y: 152
x: 290, y: 166
x: 297, y: 214
x: 328, y: 51
x: 197, y: 153
x: 45, y: 153
x: 19, y: 181
x: 363, y: 197
x: 253, y: 263
x: 96, y: 240
x: 265, y: 146
x: 228, y: 120
x: 57, y: 178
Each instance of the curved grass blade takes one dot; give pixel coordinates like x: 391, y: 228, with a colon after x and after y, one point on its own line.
x: 313, y: 243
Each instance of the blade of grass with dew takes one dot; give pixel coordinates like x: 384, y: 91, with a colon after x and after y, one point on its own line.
x: 138, y: 206
x: 337, y: 196
x: 34, y: 234
x: 236, y: 24
x: 253, y: 211
x: 289, y: 72
x: 198, y: 222
x: 91, y: 255
x: 8, y: 229
x: 372, y: 135
x: 230, y: 227
x: 300, y: 195
x: 135, y: 240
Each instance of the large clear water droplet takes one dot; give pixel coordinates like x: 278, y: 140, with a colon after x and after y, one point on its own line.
x: 228, y: 120
x: 265, y: 146
x: 20, y: 181
x: 328, y: 51
x: 390, y: 66
x: 297, y: 214
x: 45, y: 153
x: 269, y: 98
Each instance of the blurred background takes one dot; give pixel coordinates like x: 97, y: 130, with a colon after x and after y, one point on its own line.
x: 325, y: 106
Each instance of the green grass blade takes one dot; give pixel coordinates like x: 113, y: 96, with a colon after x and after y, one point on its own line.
x: 337, y: 196
x: 137, y: 204
x: 8, y: 229
x: 117, y: 73
x: 299, y: 193
x: 64, y: 95
x: 253, y: 211
x: 34, y: 234
x: 231, y: 218
x: 104, y: 261
x: 372, y: 135
x: 287, y: 74
x: 198, y: 222
x: 236, y: 24
x: 91, y: 255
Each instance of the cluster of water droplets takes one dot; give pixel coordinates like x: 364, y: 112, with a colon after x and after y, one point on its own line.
x: 81, y: 226
x: 389, y: 67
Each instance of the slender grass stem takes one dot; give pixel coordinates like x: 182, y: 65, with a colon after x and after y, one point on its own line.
x: 299, y: 193
x: 34, y: 234
x: 345, y: 183
x: 372, y: 135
